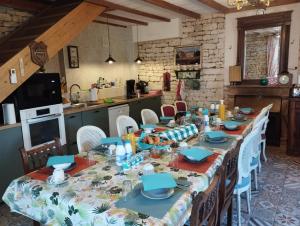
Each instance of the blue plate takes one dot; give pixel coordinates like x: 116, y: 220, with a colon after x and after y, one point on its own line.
x: 246, y: 111
x: 231, y: 125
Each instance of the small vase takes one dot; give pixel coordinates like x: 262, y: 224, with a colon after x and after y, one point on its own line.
x: 264, y: 81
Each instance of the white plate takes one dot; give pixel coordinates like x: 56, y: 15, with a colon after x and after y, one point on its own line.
x: 50, y: 180
x: 157, y: 195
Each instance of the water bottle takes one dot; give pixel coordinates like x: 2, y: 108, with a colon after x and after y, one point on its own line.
x: 206, y: 124
x: 120, y: 154
x: 128, y: 149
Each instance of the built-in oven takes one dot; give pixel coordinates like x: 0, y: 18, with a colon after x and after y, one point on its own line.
x: 42, y: 124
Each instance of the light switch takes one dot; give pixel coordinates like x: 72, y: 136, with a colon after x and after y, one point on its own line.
x: 13, y: 76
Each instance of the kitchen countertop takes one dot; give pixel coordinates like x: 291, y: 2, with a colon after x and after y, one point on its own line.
x: 95, y: 105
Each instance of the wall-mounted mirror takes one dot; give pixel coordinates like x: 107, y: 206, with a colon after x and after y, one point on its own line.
x: 263, y: 43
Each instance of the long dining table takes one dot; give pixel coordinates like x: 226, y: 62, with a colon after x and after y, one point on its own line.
x: 89, y: 197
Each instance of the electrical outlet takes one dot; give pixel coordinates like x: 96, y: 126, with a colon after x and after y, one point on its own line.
x: 21, y: 65
x: 13, y: 76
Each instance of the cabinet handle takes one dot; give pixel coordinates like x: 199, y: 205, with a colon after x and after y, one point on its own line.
x: 96, y: 111
x: 73, y: 116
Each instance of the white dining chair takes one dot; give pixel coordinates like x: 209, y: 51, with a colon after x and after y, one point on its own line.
x: 149, y: 117
x: 244, y: 172
x: 263, y: 134
x: 256, y: 152
x: 89, y: 137
x: 123, y: 121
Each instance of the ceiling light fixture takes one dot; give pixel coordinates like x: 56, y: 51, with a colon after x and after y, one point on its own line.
x: 138, y: 60
x: 259, y: 4
x: 109, y: 60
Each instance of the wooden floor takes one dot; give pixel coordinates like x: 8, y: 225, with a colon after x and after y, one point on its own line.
x: 276, y: 203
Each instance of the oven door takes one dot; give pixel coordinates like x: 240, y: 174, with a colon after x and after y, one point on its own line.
x: 41, y: 130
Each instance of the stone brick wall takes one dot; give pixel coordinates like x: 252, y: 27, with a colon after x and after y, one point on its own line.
x: 10, y: 19
x: 159, y: 57
x: 256, y: 55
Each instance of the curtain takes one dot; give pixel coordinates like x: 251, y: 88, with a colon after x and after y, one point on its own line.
x: 273, y: 47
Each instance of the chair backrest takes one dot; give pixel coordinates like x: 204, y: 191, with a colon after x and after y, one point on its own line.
x: 259, y: 129
x: 264, y: 112
x: 149, y: 117
x: 245, y: 155
x: 168, y: 110
x: 229, y: 172
x: 123, y: 121
x: 89, y: 137
x: 36, y: 158
x: 205, y: 205
x: 181, y: 105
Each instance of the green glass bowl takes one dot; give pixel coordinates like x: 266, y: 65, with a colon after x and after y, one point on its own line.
x: 264, y: 82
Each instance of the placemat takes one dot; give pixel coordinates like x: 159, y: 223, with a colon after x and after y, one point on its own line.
x: 154, y: 208
x: 44, y: 173
x: 224, y: 146
x: 202, y: 167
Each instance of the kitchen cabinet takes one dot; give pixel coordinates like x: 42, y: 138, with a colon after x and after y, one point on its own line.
x: 97, y: 117
x: 136, y: 107
x: 11, y: 167
x: 294, y: 125
x: 72, y: 123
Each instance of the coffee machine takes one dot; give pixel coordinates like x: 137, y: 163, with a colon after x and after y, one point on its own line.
x: 130, y: 91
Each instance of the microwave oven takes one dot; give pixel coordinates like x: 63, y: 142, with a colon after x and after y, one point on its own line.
x: 41, y: 89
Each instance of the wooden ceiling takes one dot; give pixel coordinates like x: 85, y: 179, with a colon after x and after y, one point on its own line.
x: 123, y: 13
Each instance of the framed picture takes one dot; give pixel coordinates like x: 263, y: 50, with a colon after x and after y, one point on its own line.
x: 73, y: 56
x: 187, y: 55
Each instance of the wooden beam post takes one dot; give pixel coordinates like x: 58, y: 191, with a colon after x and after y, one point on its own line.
x: 121, y: 18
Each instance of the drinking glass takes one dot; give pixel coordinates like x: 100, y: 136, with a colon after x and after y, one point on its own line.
x: 126, y: 189
x: 90, y: 157
x: 174, y: 159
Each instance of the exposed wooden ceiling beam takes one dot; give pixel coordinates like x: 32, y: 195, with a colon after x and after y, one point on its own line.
x: 112, y: 24
x: 215, y: 5
x: 112, y: 5
x: 29, y: 6
x: 273, y: 3
x: 172, y: 7
x: 111, y: 16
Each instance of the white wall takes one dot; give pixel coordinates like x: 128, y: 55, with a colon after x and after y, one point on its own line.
x: 93, y: 51
x: 231, y: 37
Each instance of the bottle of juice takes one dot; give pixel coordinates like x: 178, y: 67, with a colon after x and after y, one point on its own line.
x: 222, y: 110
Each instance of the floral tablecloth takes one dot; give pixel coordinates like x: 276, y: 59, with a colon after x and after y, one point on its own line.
x: 88, y: 198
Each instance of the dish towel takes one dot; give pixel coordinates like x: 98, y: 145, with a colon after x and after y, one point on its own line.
x: 180, y: 133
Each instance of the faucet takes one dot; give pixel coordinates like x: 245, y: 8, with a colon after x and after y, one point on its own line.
x: 74, y: 99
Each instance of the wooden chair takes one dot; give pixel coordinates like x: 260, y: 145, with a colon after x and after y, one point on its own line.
x: 205, y: 205
x: 228, y: 181
x: 180, y: 106
x: 36, y: 158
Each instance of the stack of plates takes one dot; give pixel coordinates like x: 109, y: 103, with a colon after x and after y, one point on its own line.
x: 158, y: 194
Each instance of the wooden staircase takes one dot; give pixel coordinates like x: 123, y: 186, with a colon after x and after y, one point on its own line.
x: 56, y: 26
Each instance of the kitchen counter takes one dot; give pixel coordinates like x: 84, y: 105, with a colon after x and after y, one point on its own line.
x: 92, y: 106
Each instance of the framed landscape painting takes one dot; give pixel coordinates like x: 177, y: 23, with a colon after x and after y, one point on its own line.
x: 187, y: 55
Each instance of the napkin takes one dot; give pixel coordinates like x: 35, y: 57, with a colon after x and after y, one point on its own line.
x: 158, y: 181
x: 111, y: 140
x: 53, y: 160
x: 196, y: 153
x: 216, y: 134
x: 166, y: 118
x: 148, y: 126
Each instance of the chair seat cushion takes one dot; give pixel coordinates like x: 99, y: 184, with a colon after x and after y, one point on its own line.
x: 245, y: 181
x: 254, y: 162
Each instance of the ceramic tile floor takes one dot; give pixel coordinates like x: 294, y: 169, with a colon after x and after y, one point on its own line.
x: 276, y: 203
